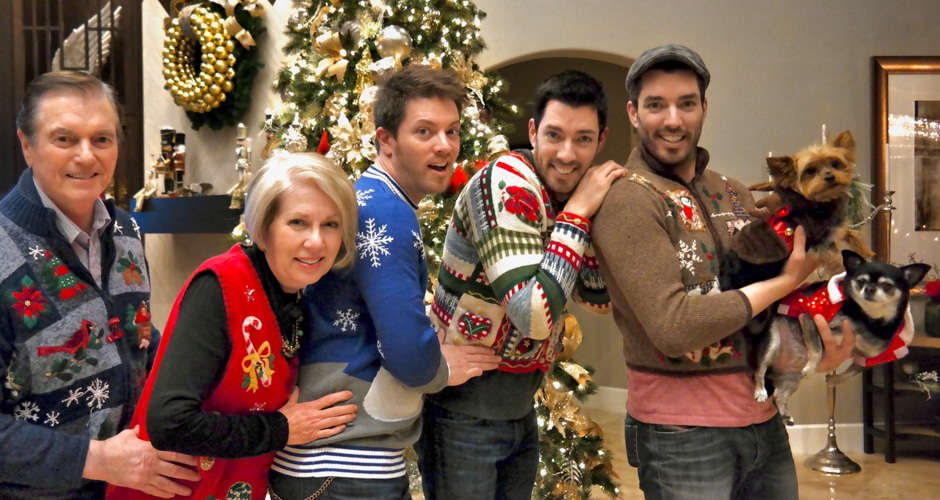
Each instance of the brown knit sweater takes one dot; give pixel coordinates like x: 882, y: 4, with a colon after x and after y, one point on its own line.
x: 658, y: 241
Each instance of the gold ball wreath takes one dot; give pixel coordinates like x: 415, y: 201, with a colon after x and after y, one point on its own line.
x: 204, y: 89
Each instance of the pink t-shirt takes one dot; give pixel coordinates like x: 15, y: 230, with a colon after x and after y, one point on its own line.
x: 725, y: 400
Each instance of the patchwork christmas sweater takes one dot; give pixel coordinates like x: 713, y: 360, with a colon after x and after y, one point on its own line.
x: 659, y: 242
x: 512, y: 263
x: 369, y: 334
x: 69, y: 357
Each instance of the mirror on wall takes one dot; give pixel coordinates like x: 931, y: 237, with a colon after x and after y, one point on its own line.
x: 906, y: 157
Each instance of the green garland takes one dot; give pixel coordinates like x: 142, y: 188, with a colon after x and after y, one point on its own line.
x: 248, y: 63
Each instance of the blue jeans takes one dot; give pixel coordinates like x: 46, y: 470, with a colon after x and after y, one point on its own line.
x: 709, y: 463
x: 340, y: 488
x: 470, y: 458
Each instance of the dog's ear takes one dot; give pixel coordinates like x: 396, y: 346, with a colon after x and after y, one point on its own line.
x: 913, y: 273
x: 783, y: 171
x: 845, y: 141
x: 851, y: 260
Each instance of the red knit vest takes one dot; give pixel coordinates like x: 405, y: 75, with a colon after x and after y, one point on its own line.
x: 257, y: 379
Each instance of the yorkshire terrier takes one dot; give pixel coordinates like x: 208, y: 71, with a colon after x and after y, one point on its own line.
x: 810, y: 189
x: 872, y: 296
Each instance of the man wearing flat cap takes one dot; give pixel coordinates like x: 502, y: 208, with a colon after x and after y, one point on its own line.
x: 693, y: 427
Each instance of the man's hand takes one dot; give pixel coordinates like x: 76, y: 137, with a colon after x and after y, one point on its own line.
x: 834, y: 354
x: 317, y: 419
x: 800, y: 264
x: 592, y: 189
x: 126, y: 460
x: 467, y: 361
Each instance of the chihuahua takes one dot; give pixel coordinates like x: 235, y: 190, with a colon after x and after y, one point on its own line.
x: 872, y: 296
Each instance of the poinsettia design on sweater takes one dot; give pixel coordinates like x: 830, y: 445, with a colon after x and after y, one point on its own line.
x: 521, y: 203
x: 28, y: 303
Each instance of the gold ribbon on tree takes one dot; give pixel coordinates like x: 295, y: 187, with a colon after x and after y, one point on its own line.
x: 334, y: 62
x: 471, y: 78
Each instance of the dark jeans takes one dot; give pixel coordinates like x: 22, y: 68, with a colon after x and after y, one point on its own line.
x: 340, y: 488
x: 466, y: 458
x: 710, y: 463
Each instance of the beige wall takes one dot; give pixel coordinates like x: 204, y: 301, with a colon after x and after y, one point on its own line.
x: 780, y: 70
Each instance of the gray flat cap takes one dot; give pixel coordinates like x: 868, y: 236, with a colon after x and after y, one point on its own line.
x: 672, y: 52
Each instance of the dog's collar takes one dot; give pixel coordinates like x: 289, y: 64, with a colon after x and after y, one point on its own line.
x: 898, y: 347
x: 780, y: 226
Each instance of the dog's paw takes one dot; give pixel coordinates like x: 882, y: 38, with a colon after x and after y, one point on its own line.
x: 788, y: 419
x: 760, y: 394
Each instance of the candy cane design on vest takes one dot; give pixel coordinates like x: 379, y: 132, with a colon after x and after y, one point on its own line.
x: 257, y: 364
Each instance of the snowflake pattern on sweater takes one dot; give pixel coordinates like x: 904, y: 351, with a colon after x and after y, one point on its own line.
x: 369, y: 334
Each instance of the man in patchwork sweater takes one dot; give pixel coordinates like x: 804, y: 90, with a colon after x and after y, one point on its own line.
x: 74, y: 322
x: 516, y: 253
x: 693, y: 425
x: 367, y: 331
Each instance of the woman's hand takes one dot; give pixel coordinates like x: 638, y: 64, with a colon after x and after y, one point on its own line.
x: 317, y: 419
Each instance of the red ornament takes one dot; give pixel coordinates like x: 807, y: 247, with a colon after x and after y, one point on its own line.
x: 324, y: 146
x: 933, y: 290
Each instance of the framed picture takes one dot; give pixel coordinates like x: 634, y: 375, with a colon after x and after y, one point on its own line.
x: 906, y: 157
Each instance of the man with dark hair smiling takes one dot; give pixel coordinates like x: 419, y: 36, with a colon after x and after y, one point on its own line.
x: 517, y: 252
x: 693, y: 426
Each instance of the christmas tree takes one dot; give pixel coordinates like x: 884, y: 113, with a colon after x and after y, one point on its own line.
x: 571, y: 445
x: 337, y: 53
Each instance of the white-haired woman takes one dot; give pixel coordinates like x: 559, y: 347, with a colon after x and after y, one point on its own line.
x: 222, y: 387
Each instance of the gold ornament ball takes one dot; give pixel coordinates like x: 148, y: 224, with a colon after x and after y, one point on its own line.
x: 394, y: 41
x: 227, y: 86
x: 209, y: 59
x: 229, y: 46
x: 221, y: 66
x: 218, y: 78
x: 220, y: 52
x: 215, y: 90
x: 209, y: 47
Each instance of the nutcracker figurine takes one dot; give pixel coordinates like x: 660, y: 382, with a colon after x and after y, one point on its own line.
x: 242, y: 167
x: 179, y: 160
x: 164, y: 164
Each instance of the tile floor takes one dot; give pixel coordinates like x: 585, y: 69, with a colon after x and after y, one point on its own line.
x: 915, y: 475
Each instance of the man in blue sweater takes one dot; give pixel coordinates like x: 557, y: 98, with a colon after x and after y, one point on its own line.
x: 369, y: 330
x: 75, y: 291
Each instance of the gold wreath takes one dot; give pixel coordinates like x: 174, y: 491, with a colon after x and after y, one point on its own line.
x: 203, y: 90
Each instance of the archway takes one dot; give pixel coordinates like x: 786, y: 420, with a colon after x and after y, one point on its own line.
x: 524, y: 75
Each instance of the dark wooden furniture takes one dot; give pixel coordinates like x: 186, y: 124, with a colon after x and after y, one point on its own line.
x: 887, y: 390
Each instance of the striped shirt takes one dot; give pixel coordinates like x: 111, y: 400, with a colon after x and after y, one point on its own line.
x: 340, y: 461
